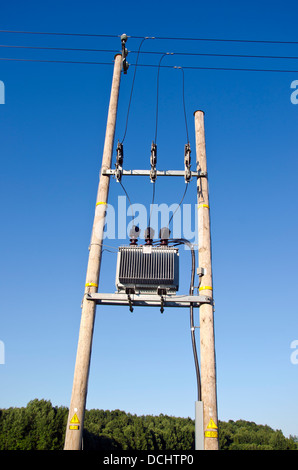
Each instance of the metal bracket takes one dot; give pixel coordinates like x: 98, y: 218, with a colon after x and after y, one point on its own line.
x: 153, y: 161
x: 119, y: 162
x: 196, y: 174
x: 187, y: 161
x: 149, y: 300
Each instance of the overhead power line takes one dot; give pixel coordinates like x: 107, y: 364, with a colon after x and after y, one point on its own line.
x: 233, y: 69
x: 47, y: 33
x: 227, y: 40
x: 67, y: 49
x: 114, y: 51
x: 57, y: 61
x: 257, y: 41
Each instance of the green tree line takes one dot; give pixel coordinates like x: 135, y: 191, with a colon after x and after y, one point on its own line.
x: 41, y: 426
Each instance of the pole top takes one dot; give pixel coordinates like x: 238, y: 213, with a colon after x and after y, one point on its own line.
x: 199, y: 111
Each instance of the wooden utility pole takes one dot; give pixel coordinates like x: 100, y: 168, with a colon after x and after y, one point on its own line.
x: 75, y: 423
x: 207, y: 344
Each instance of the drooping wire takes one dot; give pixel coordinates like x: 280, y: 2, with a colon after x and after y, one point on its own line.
x: 128, y: 198
x: 152, y: 202
x: 179, y: 241
x: 132, y: 86
x: 128, y: 109
x: 183, y: 98
x: 178, y: 205
x: 184, y: 109
x: 157, y: 92
x: 156, y: 121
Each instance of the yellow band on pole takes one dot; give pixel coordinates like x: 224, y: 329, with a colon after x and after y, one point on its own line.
x: 91, y: 284
x: 101, y: 202
x: 205, y: 288
x: 203, y: 205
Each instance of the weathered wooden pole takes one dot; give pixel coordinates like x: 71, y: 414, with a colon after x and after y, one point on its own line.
x: 207, y: 344
x: 75, y: 423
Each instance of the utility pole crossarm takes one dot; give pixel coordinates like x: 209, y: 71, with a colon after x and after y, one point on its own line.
x: 111, y: 172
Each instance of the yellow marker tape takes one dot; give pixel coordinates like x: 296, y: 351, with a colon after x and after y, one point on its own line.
x: 213, y: 434
x: 205, y: 288
x: 101, y: 202
x: 91, y: 284
x: 203, y: 205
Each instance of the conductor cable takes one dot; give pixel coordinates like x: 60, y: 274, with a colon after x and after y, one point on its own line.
x: 184, y: 241
x: 132, y: 86
x: 155, y: 139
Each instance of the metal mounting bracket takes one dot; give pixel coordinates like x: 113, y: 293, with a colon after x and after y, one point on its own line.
x: 149, y: 300
x: 196, y: 174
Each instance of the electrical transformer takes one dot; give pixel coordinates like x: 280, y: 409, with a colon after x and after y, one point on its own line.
x: 147, y: 269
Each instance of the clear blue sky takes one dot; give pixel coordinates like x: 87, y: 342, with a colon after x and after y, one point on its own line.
x: 52, y: 133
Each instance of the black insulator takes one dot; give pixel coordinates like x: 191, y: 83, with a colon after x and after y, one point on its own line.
x: 149, y: 235
x: 134, y: 235
x: 164, y: 235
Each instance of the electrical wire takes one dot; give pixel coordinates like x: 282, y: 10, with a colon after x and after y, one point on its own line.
x: 157, y: 91
x: 128, y: 198
x: 253, y: 41
x: 129, y: 104
x: 155, y: 137
x: 62, y: 34
x: 224, y: 40
x: 13, y: 59
x: 114, y: 51
x: 67, y: 49
x: 152, y: 202
x: 184, y: 108
x: 178, y: 205
x: 132, y: 86
x: 222, y: 68
x: 184, y: 241
x: 181, y: 68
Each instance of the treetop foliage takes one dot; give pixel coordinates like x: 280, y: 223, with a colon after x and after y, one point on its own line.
x: 41, y: 426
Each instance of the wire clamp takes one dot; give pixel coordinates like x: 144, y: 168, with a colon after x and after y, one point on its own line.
x: 153, y: 161
x: 130, y: 302
x: 129, y: 291
x: 187, y: 163
x: 119, y: 162
x: 161, y: 292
